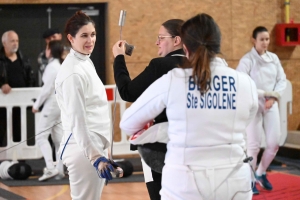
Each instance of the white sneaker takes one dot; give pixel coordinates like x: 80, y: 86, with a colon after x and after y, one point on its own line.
x: 49, y: 173
x: 59, y: 176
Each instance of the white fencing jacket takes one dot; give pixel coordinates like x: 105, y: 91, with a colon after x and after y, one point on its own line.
x: 268, y: 75
x: 47, y: 92
x: 203, y: 130
x: 82, y: 99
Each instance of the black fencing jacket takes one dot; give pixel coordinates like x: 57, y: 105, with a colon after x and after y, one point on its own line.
x: 130, y: 90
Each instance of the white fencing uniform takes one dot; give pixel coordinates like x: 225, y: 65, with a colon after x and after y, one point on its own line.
x: 84, y: 108
x: 268, y: 75
x: 206, y: 133
x: 49, y: 122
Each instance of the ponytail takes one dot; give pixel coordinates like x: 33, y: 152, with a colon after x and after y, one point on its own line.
x: 202, y: 38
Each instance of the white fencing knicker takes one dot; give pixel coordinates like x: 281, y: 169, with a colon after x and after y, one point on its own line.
x: 206, y: 183
x: 83, y: 177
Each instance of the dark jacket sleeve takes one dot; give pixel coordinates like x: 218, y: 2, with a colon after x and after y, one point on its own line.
x: 129, y: 89
x: 29, y: 74
x: 3, y: 77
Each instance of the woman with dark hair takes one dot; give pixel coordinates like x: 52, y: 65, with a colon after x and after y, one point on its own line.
x: 49, y: 121
x: 208, y: 106
x: 266, y: 71
x: 171, y: 54
x: 84, y: 109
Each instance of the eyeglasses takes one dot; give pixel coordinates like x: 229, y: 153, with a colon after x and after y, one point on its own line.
x: 161, y: 37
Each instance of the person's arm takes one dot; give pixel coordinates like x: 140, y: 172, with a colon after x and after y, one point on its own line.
x: 2, y: 74
x: 245, y: 66
x: 129, y: 89
x: 280, y: 79
x: 3, y: 80
x: 48, y: 87
x: 279, y: 88
x: 73, y: 92
x: 147, y: 106
x: 29, y: 74
x: 254, y: 96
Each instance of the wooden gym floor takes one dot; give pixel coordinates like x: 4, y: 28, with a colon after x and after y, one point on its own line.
x: 132, y: 191
x: 113, y: 191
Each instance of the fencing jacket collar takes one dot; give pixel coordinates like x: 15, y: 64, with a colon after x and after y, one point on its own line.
x: 79, y: 55
x: 259, y: 57
x: 178, y: 52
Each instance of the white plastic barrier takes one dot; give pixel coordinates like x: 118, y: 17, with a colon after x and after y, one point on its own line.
x: 18, y: 98
x: 22, y: 97
x: 284, y: 103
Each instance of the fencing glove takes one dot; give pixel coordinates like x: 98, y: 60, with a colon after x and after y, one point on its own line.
x: 107, y: 169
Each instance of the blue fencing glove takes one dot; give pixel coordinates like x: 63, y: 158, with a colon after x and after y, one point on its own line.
x: 104, y: 168
x: 107, y: 169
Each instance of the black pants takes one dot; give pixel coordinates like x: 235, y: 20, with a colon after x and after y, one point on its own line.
x: 154, y: 186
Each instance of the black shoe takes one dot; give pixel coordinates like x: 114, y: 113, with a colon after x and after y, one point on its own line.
x: 263, y: 181
x: 254, y: 189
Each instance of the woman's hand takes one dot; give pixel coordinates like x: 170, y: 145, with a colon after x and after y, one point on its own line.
x: 102, y: 166
x: 34, y: 110
x: 119, y: 48
x: 269, y: 103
